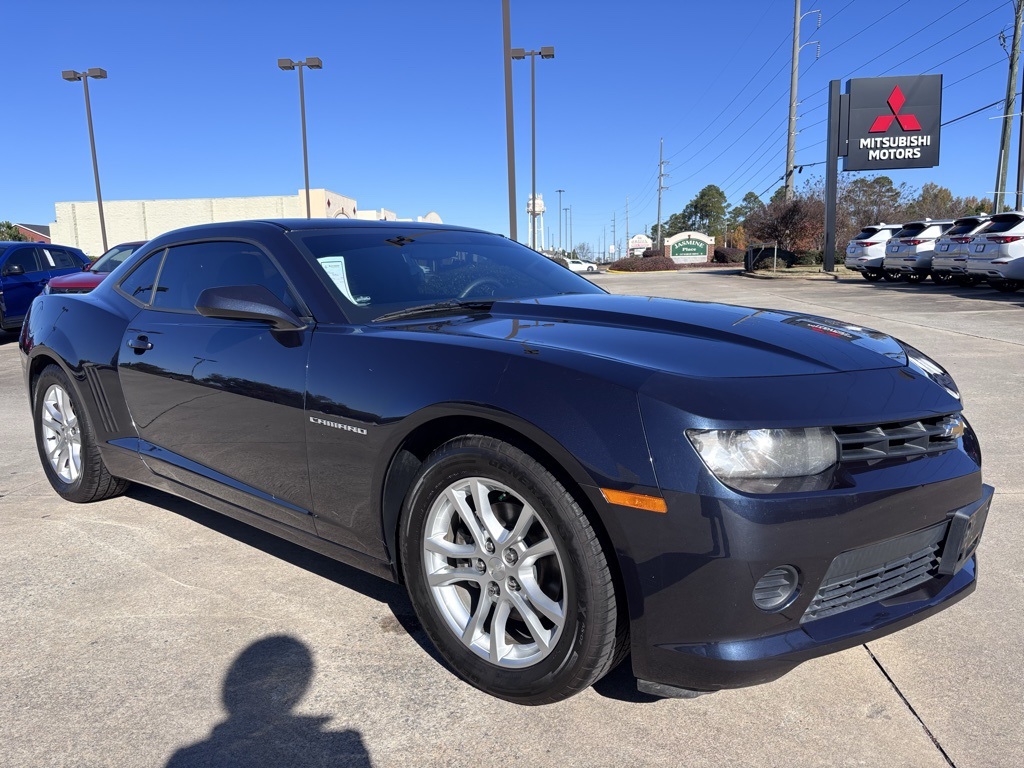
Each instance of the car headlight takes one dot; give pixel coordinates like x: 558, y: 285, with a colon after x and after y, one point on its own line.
x: 765, y: 453
x: 924, y: 365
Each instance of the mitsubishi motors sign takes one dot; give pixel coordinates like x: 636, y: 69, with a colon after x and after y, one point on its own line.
x: 892, y: 122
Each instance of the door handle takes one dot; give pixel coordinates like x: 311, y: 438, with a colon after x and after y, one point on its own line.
x: 141, y: 343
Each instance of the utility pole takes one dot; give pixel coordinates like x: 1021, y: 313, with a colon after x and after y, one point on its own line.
x: 1011, y: 99
x: 506, y: 23
x: 559, y: 191
x: 627, y: 222
x: 614, y: 241
x: 794, y: 76
x: 661, y: 177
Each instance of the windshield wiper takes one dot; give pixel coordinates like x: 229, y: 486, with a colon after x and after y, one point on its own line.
x: 439, y: 308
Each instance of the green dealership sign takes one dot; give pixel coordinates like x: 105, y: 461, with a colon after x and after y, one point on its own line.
x: 690, y: 247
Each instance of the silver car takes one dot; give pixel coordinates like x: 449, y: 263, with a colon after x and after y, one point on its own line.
x: 949, y: 264
x: 997, y: 253
x: 908, y: 254
x: 866, y: 251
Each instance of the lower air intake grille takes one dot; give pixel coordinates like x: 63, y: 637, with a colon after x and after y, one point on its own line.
x: 900, y: 438
x: 873, y: 573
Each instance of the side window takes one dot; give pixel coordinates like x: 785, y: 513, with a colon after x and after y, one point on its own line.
x: 139, y: 284
x: 61, y: 259
x: 191, y: 269
x: 23, y: 257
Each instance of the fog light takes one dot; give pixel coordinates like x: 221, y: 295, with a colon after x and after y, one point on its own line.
x: 777, y: 588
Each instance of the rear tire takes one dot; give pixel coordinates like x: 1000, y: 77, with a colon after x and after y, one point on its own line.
x: 1005, y: 286
x: 914, y: 277
x: 967, y: 281
x: 942, y: 278
x: 507, y: 575
x: 892, y: 275
x: 66, y: 442
x: 871, y: 277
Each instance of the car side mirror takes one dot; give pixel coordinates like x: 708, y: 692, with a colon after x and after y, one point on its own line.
x: 248, y: 302
x: 14, y: 270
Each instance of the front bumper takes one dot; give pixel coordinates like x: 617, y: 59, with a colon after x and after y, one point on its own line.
x: 696, y: 626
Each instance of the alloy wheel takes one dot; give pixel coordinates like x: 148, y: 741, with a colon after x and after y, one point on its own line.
x: 62, y: 438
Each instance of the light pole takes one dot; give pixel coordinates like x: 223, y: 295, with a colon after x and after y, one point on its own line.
x: 560, y: 191
x: 506, y: 55
x: 313, y: 63
x: 99, y: 74
x: 566, y: 212
x: 546, y: 52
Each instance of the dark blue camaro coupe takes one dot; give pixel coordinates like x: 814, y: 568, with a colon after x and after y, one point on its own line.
x: 559, y: 476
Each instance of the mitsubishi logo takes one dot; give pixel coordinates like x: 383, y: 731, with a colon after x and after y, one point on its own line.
x: 895, y: 102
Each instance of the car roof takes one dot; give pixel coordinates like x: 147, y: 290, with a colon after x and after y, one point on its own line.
x: 290, y: 225
x: 929, y: 222
x: 28, y: 242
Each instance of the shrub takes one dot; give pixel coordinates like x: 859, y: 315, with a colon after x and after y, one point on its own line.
x: 764, y: 258
x: 652, y: 252
x: 729, y: 255
x: 560, y: 260
x: 648, y: 264
x: 809, y: 259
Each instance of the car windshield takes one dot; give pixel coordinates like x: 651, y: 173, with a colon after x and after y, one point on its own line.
x: 110, y: 260
x: 377, y: 272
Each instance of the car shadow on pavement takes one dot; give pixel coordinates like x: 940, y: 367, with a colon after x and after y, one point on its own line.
x: 264, y: 684
x: 392, y: 595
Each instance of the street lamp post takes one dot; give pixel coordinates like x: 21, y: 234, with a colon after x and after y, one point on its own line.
x: 560, y: 191
x: 566, y: 212
x: 546, y: 52
x: 313, y: 63
x: 98, y: 74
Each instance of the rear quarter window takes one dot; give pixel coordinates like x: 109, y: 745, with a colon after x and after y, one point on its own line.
x: 140, y: 281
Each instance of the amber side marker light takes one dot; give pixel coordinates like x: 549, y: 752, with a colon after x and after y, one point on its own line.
x: 634, y: 500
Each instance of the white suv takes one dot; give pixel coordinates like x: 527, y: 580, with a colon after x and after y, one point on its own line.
x: 908, y: 254
x: 997, y: 253
x: 866, y: 251
x: 949, y: 263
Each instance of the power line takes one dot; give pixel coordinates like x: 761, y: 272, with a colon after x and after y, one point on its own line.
x: 877, y: 21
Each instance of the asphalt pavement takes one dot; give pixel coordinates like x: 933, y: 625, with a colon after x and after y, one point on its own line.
x: 147, y: 631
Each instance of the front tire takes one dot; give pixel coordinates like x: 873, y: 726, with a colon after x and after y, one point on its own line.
x: 506, y: 573
x: 66, y: 442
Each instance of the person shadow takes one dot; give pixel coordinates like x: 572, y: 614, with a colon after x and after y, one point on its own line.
x: 264, y: 685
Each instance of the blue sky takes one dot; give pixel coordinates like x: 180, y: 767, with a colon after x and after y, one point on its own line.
x: 408, y: 112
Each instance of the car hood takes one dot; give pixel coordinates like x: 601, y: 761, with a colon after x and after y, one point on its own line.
x: 683, y: 337
x: 78, y: 280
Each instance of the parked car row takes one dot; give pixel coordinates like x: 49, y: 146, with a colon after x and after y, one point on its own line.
x: 966, y: 251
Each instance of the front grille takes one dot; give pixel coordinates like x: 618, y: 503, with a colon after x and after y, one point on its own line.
x: 868, y: 442
x: 873, y: 573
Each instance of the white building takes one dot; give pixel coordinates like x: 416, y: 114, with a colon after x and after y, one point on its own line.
x: 78, y: 223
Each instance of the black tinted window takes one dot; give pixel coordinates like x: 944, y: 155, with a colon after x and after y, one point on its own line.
x: 139, y: 284
x: 962, y: 228
x: 113, y: 258
x: 911, y: 230
x: 375, y: 271
x: 1002, y: 224
x: 23, y: 257
x: 191, y: 269
x: 60, y: 259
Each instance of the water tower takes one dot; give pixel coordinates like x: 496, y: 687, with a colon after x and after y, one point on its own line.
x: 535, y: 210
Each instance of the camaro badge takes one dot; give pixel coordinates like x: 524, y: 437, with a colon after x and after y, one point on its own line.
x: 338, y: 425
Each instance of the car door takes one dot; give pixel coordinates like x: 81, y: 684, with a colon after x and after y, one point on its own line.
x: 19, y: 290
x: 59, y: 261
x: 218, y: 403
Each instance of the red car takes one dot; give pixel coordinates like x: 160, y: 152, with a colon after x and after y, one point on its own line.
x: 92, y: 275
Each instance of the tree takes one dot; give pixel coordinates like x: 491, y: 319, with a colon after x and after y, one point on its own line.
x: 706, y: 212
x: 739, y: 214
x: 792, y: 223
x: 9, y: 231
x: 583, y: 251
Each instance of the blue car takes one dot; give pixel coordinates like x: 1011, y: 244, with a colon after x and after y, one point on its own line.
x: 25, y: 269
x: 560, y: 477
